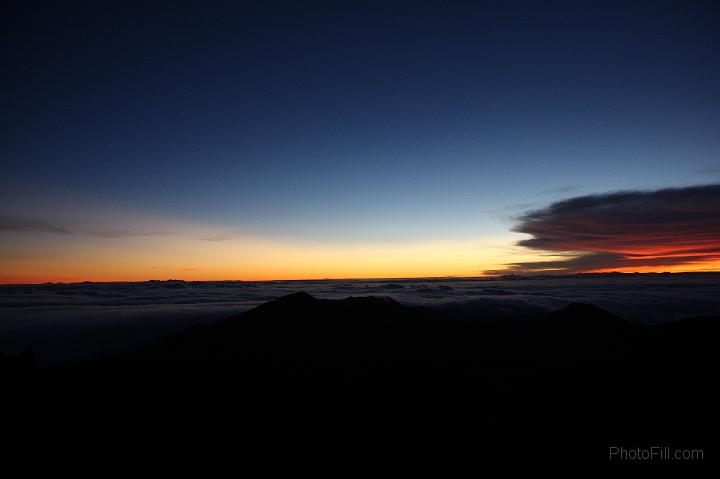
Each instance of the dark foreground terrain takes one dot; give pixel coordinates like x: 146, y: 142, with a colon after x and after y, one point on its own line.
x: 366, y: 384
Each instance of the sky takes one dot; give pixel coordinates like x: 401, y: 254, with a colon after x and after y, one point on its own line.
x: 208, y: 140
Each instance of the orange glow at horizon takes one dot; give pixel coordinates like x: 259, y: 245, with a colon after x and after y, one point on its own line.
x: 426, y: 268
x: 710, y: 266
x: 250, y: 260
x: 77, y: 258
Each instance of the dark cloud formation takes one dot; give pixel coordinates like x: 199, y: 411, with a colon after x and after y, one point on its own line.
x: 222, y: 237
x: 710, y: 170
x: 629, y: 229
x: 24, y: 224
x: 35, y: 225
x: 126, y: 233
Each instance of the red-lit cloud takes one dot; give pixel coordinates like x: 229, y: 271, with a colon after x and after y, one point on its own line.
x: 631, y: 230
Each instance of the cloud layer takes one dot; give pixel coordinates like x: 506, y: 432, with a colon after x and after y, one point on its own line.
x: 35, y: 225
x: 630, y: 229
x: 81, y: 320
x: 25, y: 224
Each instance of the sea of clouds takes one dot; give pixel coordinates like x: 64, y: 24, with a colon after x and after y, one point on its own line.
x: 75, y: 321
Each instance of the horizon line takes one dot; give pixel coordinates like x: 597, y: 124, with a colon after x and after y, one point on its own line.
x: 395, y: 278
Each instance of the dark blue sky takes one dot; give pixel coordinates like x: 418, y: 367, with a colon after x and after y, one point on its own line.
x: 349, y: 121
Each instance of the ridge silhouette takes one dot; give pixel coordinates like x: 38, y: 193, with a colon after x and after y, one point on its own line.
x: 375, y: 329
x: 354, y: 367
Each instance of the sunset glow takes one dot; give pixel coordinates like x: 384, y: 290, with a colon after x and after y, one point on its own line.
x: 252, y: 260
x: 281, y: 144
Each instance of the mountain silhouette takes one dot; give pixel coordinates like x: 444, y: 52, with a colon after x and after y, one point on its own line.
x: 302, y: 336
x: 581, y: 315
x: 582, y: 332
x: 369, y: 370
x: 377, y: 337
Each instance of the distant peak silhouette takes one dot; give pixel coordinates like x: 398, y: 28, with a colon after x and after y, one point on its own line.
x: 299, y: 298
x: 306, y: 304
